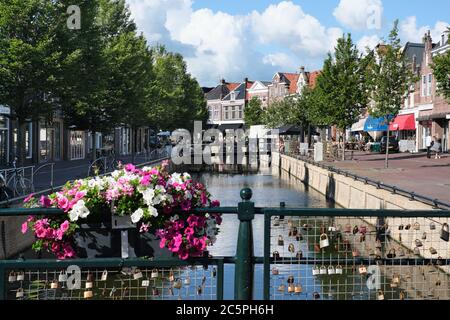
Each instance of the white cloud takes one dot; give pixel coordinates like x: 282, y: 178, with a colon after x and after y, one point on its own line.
x: 410, y: 32
x: 360, y: 14
x: 367, y: 42
x: 217, y: 44
x: 287, y: 25
x: 281, y: 60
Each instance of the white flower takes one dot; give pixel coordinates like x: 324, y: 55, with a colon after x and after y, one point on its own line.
x: 187, y: 195
x: 79, y: 210
x: 175, y: 178
x: 148, y: 196
x: 137, y: 215
x: 160, y: 189
x: 92, y: 183
x: 115, y: 174
x: 158, y: 199
x: 186, y: 176
x: 152, y: 211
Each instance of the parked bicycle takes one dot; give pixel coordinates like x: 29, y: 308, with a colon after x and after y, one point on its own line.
x: 106, y: 162
x: 16, y: 185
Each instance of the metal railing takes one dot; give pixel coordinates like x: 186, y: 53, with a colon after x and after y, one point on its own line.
x: 439, y: 204
x: 309, y: 254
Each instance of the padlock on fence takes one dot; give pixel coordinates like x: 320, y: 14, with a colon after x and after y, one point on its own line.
x: 445, y: 233
x: 324, y: 241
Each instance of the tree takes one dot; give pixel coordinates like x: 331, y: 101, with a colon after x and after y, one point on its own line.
x: 391, y: 79
x: 179, y: 99
x: 441, y: 70
x: 29, y: 59
x: 341, y: 94
x: 253, y: 112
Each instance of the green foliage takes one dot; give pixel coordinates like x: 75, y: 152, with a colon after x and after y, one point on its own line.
x: 390, y: 78
x: 179, y: 99
x: 441, y: 70
x: 253, y: 113
x: 341, y: 87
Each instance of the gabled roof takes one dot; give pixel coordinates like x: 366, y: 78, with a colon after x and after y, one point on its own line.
x: 414, y: 49
x: 232, y: 86
x: 290, y: 79
x: 218, y: 92
x: 240, y: 92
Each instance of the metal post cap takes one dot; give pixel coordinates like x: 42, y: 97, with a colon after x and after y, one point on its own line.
x: 246, y: 194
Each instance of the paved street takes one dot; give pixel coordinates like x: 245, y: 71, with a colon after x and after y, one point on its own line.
x: 412, y: 172
x: 69, y: 170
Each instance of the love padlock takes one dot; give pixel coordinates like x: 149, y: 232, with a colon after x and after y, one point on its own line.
x: 324, y: 241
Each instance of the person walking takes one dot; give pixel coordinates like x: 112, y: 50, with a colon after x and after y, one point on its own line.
x: 437, y: 148
x: 428, y: 144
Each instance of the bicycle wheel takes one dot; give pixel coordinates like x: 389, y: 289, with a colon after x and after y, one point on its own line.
x: 113, y: 165
x: 23, y: 187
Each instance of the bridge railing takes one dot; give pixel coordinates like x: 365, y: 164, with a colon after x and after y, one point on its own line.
x: 309, y: 254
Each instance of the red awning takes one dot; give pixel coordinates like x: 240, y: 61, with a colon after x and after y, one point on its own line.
x: 403, y: 122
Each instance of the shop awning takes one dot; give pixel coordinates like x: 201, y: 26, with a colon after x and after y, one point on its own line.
x: 358, y: 126
x: 375, y: 124
x: 403, y: 122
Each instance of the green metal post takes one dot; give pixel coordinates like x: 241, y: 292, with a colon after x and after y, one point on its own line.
x: 243, y: 281
x: 2, y: 283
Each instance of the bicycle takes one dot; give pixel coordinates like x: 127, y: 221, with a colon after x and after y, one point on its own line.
x: 105, y: 163
x: 21, y: 186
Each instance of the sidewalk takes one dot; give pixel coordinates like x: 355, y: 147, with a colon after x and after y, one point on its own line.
x: 412, y: 172
x: 70, y: 170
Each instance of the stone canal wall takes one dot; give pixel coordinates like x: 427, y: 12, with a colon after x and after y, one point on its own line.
x: 345, y: 191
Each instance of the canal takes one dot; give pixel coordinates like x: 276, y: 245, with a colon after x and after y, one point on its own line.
x: 268, y: 191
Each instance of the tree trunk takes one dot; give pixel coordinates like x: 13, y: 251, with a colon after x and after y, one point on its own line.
x: 386, y: 163
x: 343, y: 144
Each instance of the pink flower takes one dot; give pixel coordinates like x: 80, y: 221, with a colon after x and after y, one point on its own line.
x: 145, y: 181
x: 162, y: 243
x: 69, y: 252
x: 55, y: 247
x: 79, y: 195
x: 59, y: 234
x: 27, y: 199
x: 186, y: 205
x: 63, y: 203
x: 25, y: 227
x: 40, y: 233
x: 183, y: 255
x: 130, y: 167
x: 189, y: 231
x: 45, y: 202
x: 215, y: 203
x: 204, y: 198
x: 65, y: 226
x: 144, y: 227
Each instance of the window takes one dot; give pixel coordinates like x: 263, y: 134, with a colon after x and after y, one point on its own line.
x: 430, y: 80
x: 240, y: 113
x: 234, y: 113
x: 233, y: 96
x: 216, y: 113
x: 424, y: 86
x: 210, y: 113
x: 226, y: 113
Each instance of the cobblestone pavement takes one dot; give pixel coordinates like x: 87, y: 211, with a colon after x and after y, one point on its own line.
x: 412, y: 172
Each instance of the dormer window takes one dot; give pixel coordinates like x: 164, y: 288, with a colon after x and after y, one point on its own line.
x: 233, y: 96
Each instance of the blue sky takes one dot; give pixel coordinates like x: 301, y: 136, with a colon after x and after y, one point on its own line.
x: 235, y: 39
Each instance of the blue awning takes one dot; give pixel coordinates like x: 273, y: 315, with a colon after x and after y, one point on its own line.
x: 376, y: 124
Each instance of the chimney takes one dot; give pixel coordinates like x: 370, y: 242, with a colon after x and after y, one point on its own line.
x: 222, y: 81
x: 302, y: 69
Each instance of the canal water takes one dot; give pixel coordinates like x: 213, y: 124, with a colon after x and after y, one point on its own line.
x: 268, y: 191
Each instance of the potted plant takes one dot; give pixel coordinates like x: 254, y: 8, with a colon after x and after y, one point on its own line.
x: 154, y: 205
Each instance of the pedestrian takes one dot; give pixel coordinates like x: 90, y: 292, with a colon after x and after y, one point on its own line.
x: 428, y: 144
x: 437, y: 148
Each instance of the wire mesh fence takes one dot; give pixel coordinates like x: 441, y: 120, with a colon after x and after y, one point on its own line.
x: 349, y: 258
x: 77, y: 282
